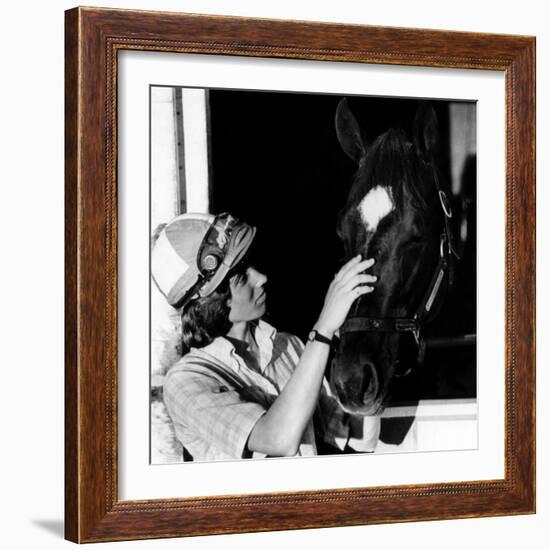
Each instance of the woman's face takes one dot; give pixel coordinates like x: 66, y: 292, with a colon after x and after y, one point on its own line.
x: 248, y: 296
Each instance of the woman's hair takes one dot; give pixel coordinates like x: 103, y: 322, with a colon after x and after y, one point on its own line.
x: 206, y: 318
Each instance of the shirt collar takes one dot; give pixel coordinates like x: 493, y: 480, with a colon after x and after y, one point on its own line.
x: 223, y: 350
x: 265, y: 336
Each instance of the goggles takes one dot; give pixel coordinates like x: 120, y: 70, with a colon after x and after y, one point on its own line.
x: 222, y: 249
x: 213, y: 248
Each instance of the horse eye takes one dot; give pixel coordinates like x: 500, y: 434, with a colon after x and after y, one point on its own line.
x: 417, y: 234
x: 416, y: 241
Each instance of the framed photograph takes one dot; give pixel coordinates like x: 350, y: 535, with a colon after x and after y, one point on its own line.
x: 300, y: 275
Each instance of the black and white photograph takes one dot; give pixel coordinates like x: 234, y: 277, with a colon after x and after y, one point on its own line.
x: 275, y: 275
x: 312, y: 274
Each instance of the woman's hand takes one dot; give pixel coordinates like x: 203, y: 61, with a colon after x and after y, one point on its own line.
x: 348, y: 284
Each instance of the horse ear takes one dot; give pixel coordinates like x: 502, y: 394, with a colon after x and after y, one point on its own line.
x: 348, y: 132
x: 425, y: 130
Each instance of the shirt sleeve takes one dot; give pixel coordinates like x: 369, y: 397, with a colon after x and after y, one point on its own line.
x: 222, y: 417
x: 333, y: 420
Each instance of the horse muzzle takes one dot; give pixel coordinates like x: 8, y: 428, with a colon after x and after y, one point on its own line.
x: 358, y: 392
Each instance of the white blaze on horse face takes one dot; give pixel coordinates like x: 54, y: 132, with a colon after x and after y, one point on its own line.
x: 376, y: 204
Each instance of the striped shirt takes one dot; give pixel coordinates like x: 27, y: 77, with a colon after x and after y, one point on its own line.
x: 215, y: 399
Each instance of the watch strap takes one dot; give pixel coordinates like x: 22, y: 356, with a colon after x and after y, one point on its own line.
x: 315, y: 335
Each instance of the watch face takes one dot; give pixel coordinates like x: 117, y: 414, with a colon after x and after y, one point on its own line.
x: 311, y: 336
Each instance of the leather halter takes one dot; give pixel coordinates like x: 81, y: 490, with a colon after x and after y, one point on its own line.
x: 414, y: 323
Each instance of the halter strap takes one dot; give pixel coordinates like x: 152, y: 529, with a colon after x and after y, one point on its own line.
x: 447, y: 216
x: 386, y: 324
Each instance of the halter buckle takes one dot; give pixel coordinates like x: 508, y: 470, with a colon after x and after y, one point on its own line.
x: 405, y: 325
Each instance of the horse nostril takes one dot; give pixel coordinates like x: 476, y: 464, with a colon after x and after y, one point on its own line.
x: 370, y: 381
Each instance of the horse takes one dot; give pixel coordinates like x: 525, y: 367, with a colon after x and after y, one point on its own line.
x: 397, y: 212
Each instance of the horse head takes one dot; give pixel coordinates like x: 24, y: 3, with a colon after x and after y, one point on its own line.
x: 395, y: 212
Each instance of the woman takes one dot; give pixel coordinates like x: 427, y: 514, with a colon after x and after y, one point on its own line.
x: 244, y: 389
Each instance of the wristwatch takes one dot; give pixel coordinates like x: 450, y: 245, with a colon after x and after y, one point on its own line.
x: 316, y: 335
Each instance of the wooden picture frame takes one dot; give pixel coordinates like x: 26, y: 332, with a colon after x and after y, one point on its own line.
x: 93, y: 511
